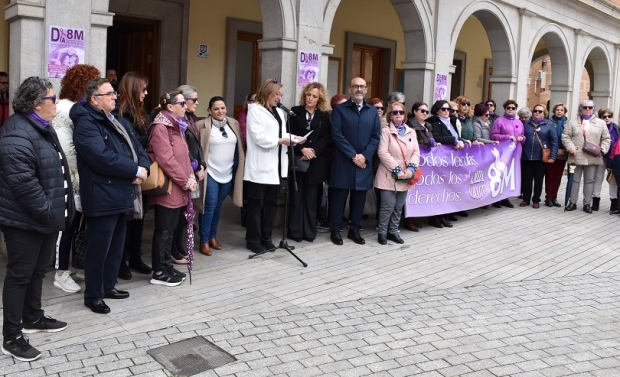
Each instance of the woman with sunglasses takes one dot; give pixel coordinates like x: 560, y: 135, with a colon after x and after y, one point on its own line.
x: 378, y: 104
x: 168, y: 147
x: 508, y: 127
x: 221, y: 141
x: 424, y: 134
x: 555, y: 170
x: 482, y: 124
x: 539, y: 133
x: 445, y: 131
x: 132, y: 91
x: 607, y: 116
x: 585, y: 127
x: 492, y: 106
x: 465, y: 113
x: 399, y: 155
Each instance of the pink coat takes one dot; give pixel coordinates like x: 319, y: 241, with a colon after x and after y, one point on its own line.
x: 390, y: 156
x: 168, y: 147
x: 503, y: 128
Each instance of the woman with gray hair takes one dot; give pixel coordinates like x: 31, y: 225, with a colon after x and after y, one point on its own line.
x: 585, y: 127
x: 36, y: 202
x: 524, y: 114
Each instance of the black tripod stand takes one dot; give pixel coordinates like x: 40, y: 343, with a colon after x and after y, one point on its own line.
x: 284, y: 242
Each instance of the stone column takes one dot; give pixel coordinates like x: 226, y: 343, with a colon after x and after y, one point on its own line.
x: 601, y: 98
x: 559, y: 94
x: 504, y: 88
x: 418, y: 75
x: 279, y: 60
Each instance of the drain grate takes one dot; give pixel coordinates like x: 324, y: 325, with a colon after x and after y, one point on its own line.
x: 191, y: 356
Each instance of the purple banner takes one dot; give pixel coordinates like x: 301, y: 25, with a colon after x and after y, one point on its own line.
x: 469, y: 178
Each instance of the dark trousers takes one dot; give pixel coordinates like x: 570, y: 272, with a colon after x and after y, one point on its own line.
x: 532, y: 171
x: 261, y: 211
x: 302, y: 208
x: 179, y: 240
x: 167, y: 220
x: 104, y: 242
x: 553, y: 178
x: 357, y: 200
x: 133, y: 239
x: 64, y: 246
x: 28, y: 253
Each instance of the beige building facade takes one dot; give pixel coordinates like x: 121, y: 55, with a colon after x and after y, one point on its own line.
x: 485, y: 48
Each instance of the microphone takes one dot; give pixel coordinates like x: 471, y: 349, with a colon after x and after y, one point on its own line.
x: 286, y: 110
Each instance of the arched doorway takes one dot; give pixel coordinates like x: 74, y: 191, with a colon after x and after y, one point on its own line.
x: 600, y: 75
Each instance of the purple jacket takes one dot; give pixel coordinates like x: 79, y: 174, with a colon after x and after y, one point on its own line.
x: 503, y: 128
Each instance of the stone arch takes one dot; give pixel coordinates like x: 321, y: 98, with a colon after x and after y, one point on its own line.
x: 279, y: 19
x: 416, y: 22
x: 599, y: 57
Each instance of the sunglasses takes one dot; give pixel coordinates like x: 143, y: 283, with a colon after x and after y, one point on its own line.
x: 487, y: 114
x: 465, y: 104
x: 538, y: 111
x: 398, y: 112
x: 182, y: 103
x: 53, y: 98
x: 446, y: 109
x: 422, y: 111
x: 194, y: 100
x: 587, y: 107
x: 380, y: 108
x: 144, y: 90
x: 223, y: 131
x: 607, y: 116
x: 490, y: 105
x: 510, y: 108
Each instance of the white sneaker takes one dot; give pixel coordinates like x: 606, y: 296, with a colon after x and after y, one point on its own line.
x: 80, y: 275
x: 65, y: 282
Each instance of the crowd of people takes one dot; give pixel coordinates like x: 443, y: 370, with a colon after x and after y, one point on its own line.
x: 84, y: 176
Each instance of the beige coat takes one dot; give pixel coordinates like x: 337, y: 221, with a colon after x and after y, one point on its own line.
x: 572, y: 138
x: 390, y: 156
x: 204, y: 127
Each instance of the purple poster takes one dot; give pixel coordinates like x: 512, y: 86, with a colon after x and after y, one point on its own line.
x: 308, y: 68
x: 66, y: 49
x: 469, y: 178
x: 441, y: 86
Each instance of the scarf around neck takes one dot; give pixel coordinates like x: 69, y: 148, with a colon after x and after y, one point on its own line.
x: 39, y: 120
x: 511, y: 117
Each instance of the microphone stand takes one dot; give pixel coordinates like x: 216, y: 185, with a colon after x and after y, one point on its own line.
x: 283, y: 242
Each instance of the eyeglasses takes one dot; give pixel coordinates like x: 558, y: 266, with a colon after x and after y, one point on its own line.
x: 422, y: 111
x: 53, y: 98
x: 111, y: 94
x: 465, y: 104
x: 607, y: 116
x: 144, y: 90
x: 510, y: 108
x: 380, y: 108
x: 538, y: 111
x: 182, y: 103
x: 192, y: 99
x: 398, y: 112
x: 446, y: 109
x: 223, y: 131
x: 490, y: 105
x: 587, y: 107
x: 358, y: 86
x: 4, y: 82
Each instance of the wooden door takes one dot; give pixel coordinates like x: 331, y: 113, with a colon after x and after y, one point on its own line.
x: 133, y: 45
x: 368, y: 64
x: 247, y: 70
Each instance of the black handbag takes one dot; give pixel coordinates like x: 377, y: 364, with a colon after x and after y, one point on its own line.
x: 299, y: 164
x: 77, y: 246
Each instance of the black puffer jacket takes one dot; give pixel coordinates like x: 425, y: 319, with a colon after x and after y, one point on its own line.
x: 32, y: 191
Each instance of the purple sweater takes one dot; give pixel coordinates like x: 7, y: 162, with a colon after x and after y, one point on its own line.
x: 503, y: 128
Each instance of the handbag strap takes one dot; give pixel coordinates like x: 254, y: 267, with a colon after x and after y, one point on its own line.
x: 401, y: 148
x: 539, y: 142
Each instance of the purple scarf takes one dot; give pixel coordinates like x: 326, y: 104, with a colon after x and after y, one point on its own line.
x: 39, y: 120
x: 511, y: 117
x: 462, y: 117
x: 587, y: 117
x: 538, y: 121
x: 181, y: 122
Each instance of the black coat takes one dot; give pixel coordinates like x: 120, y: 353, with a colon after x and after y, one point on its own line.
x: 192, y: 136
x: 105, y: 162
x: 32, y: 191
x: 441, y: 133
x: 320, y: 140
x: 422, y: 132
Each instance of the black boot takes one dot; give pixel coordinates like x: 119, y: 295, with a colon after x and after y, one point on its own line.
x: 595, y: 203
x: 613, y: 209
x: 123, y: 272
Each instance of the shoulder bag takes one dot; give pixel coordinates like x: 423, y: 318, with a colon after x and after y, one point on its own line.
x: 157, y: 183
x: 546, y: 152
x: 591, y: 148
x: 418, y: 172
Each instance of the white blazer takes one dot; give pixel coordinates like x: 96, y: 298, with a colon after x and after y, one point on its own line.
x: 261, y: 158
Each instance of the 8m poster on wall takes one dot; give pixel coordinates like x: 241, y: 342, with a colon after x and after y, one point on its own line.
x: 67, y: 47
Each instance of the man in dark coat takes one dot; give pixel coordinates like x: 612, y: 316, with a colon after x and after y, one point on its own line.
x: 112, y: 165
x: 355, y: 130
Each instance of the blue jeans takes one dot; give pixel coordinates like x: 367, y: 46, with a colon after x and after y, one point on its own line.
x: 215, y: 195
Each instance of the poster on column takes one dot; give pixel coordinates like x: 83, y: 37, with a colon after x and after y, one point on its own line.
x: 441, y: 86
x: 460, y: 180
x: 66, y: 49
x: 308, y: 68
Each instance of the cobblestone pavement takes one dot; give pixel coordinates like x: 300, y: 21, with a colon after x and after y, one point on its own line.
x: 506, y: 292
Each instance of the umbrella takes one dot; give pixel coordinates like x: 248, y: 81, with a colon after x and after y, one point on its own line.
x: 570, y: 172
x: 189, y: 216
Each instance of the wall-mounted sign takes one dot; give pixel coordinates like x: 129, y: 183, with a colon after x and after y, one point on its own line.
x: 308, y: 68
x: 441, y: 86
x: 203, y: 51
x: 67, y: 47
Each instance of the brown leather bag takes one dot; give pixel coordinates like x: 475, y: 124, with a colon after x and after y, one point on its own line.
x: 546, y: 152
